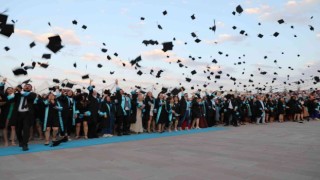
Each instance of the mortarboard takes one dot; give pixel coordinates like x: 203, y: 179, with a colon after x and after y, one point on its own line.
x: 84, y: 27
x: 164, y: 12
x: 263, y: 72
x: 46, y: 56
x: 3, y: 19
x: 54, y: 43
x: 104, y: 50
x: 164, y: 90
x: 193, y: 17
x: 32, y: 44
x: 133, y: 62
x: 239, y: 9
x: 214, y: 27
x: 111, y: 72
x: 197, y: 40
x: 276, y: 34
x: 242, y: 32
x: 139, y: 73
x: 260, y: 35
x: 167, y: 46
x: 56, y: 80
x: 6, y: 48
x: 85, y: 76
x: 7, y: 29
x: 115, y: 54
x: 75, y: 65
x: 159, y: 74
x: 188, y: 79
x: 280, y: 21
x: 69, y: 85
x: 311, y: 28
x: 99, y: 65
x: 74, y: 22
x: 193, y: 34
x: 217, y: 76
x: 19, y: 71
x: 142, y: 18
x: 159, y: 26
x: 43, y: 65
x: 193, y: 72
x: 108, y: 57
x: 234, y: 27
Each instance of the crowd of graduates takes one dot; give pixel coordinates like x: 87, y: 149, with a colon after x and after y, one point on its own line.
x: 65, y: 114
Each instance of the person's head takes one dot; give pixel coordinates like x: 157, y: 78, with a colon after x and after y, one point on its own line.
x: 27, y: 87
x: 51, y: 96
x: 258, y: 97
x: 185, y: 96
x: 161, y: 96
x: 9, y: 90
x: 176, y: 99
x: 140, y: 97
x: 149, y: 94
x: 70, y: 93
x: 121, y: 91
x: 94, y: 93
x: 282, y: 99
x: 170, y: 100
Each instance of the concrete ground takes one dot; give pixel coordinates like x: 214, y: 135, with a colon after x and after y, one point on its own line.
x: 273, y: 151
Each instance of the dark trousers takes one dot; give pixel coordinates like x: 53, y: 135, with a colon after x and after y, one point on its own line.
x: 24, y: 122
x: 92, y: 126
x: 123, y: 124
x: 227, y: 117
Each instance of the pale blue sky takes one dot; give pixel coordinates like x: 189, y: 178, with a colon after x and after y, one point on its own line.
x: 118, y: 24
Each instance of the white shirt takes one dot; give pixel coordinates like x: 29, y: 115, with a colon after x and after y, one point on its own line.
x: 20, y: 109
x: 230, y: 105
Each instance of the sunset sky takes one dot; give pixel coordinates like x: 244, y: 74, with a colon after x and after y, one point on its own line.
x: 118, y: 25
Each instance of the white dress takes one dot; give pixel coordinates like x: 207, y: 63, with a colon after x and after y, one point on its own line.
x: 137, y: 127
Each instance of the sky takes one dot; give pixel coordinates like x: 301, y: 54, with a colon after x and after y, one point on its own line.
x: 118, y: 25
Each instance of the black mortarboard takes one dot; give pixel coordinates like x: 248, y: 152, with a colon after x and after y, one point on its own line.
x: 139, y: 73
x: 78, y: 90
x: 54, y: 43
x: 56, y: 80
x: 74, y: 22
x: 188, y: 79
x: 69, y: 85
x: 239, y: 9
x: 193, y: 34
x: 263, y: 72
x: 43, y: 65
x: 311, y: 28
x: 75, y: 65
x: 164, y: 12
x: 167, y: 46
x: 159, y: 26
x: 276, y: 34
x: 159, y: 74
x: 197, y: 40
x: 193, y: 72
x: 193, y: 17
x: 217, y: 76
x: 142, y: 18
x: 234, y: 27
x: 103, y: 81
x: 280, y: 21
x: 107, y: 91
x: 7, y: 29
x: 22, y: 64
x: 3, y: 19
x: 104, y: 50
x: 316, y: 78
x: 6, y: 48
x: 46, y: 56
x: 215, y: 61
x: 85, y: 76
x: 99, y: 65
x: 84, y: 27
x: 32, y: 44
x: 133, y: 62
x: 115, y: 54
x: 164, y: 90
x: 260, y: 35
x: 214, y: 27
x: 219, y: 72
x: 108, y: 57
x: 19, y: 71
x: 242, y: 32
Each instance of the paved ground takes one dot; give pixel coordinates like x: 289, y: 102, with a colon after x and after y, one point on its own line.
x: 273, y: 151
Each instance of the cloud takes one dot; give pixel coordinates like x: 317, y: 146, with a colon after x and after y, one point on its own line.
x: 318, y: 35
x: 91, y: 57
x: 68, y: 36
x: 156, y: 54
x: 222, y: 38
x: 291, y: 11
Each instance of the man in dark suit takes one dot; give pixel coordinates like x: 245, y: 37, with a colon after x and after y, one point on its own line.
x: 94, y: 108
x: 24, y: 114
x: 260, y: 110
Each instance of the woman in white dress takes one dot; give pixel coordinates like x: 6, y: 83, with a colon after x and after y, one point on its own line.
x: 137, y: 126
